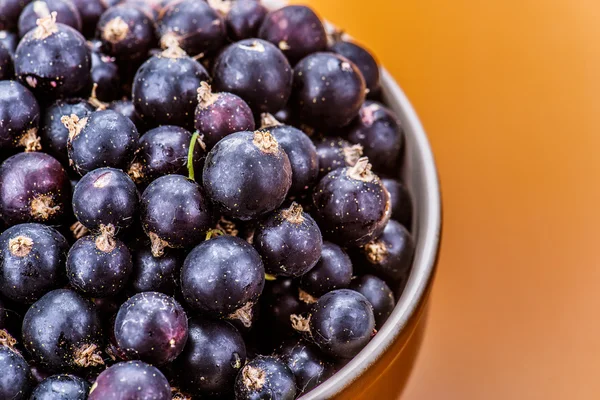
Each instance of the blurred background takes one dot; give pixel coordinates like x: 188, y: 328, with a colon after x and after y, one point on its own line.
x: 509, y: 93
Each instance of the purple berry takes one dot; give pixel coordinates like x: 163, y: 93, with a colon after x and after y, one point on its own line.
x: 9, y: 13
x: 379, y: 295
x: 265, y: 378
x: 127, y: 109
x: 66, y: 11
x: 7, y: 70
x: 244, y: 18
x: 19, y: 117
x: 296, y: 30
x: 155, y: 274
x: 280, y: 301
x: 151, y: 327
x: 131, y: 380
x: 126, y: 32
x: 105, y: 75
x: 363, y: 59
x: 335, y: 152
x: 61, y: 387
x: 333, y: 271
x: 17, y: 381
x: 402, y: 208
x: 235, y: 182
x: 257, y: 71
x: 90, y: 12
x: 307, y: 364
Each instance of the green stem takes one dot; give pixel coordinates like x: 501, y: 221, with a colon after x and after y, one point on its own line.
x: 190, y: 159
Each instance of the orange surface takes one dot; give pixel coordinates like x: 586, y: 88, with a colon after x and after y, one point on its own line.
x: 509, y: 92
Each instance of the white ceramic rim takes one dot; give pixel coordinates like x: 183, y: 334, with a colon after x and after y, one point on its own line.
x: 422, y: 181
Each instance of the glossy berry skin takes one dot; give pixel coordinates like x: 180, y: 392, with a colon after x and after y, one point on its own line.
x: 105, y: 74
x: 164, y: 151
x: 289, y: 241
x: 103, y: 139
x: 302, y: 154
x: 164, y: 89
x: 17, y: 381
x: 222, y: 275
x: 213, y: 355
x: 8, y: 39
x: 342, y: 323
x: 328, y: 90
x: 67, y: 74
x: 34, y: 187
x: 402, y: 208
x: 19, y: 114
x: 379, y: 132
x: 307, y: 364
x: 155, y: 274
x: 334, y: 153
x: 67, y: 14
x: 174, y: 213
x: 296, y: 30
x: 364, y: 61
x: 237, y: 185
x: 127, y: 109
x: 54, y: 135
x: 195, y: 26
x: 221, y: 114
x: 126, y: 32
x: 9, y: 13
x: 131, y: 380
x: 257, y: 71
x: 379, y: 295
x: 333, y: 271
x: 391, y: 254
x: 106, y: 197
x: 32, y: 258
x: 58, y: 327
x: 90, y: 12
x: 280, y: 299
x: 151, y: 327
x: 265, y: 378
x: 6, y: 64
x: 244, y: 19
x: 352, y: 205
x: 97, y: 268
x: 61, y: 387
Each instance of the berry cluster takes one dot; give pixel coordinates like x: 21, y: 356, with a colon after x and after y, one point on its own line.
x: 198, y: 199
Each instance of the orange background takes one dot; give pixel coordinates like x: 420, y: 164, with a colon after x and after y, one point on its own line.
x: 509, y: 93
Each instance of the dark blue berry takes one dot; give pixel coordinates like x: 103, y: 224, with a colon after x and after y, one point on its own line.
x: 379, y: 295
x: 335, y: 152
x: 66, y: 11
x: 61, y: 387
x: 333, y: 271
x: 155, y: 274
x: 244, y: 19
x: 402, y: 208
x: 131, y: 380
x: 307, y: 363
x: 17, y: 381
x: 363, y: 59
x: 19, y: 116
x: 126, y: 32
x: 265, y: 378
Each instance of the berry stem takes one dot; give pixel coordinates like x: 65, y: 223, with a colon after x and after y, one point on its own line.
x: 190, y: 160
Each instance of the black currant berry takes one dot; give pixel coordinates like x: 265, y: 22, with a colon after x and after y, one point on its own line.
x: 54, y: 135
x: 335, y: 152
x: 126, y: 32
x: 194, y: 25
x: 17, y: 381
x: 165, y: 88
x: 257, y: 71
x: 402, y: 208
x: 127, y: 109
x: 164, y: 151
x: 32, y: 258
x: 296, y: 30
x: 102, y: 139
x: 67, y: 14
x: 99, y: 266
x: 280, y: 301
x: 105, y: 74
x: 300, y: 150
x: 328, y: 91
x: 155, y: 274
x: 379, y: 295
x: 362, y: 58
x: 62, y: 331
x: 174, y: 213
x: 380, y: 134
x: 7, y: 70
x: 61, y: 387
x: 151, y: 327
x: 106, y: 198
x: 333, y: 271
x: 8, y: 39
x: 9, y: 13
x: 307, y: 364
x: 352, y: 205
x: 247, y: 174
x: 390, y: 255
x: 69, y: 70
x: 265, y: 378
x: 90, y: 12
x: 289, y: 242
x: 19, y: 117
x: 214, y: 353
x: 243, y: 19
x: 341, y: 323
x: 34, y: 187
x: 131, y: 380
x: 220, y: 114
x: 223, y: 276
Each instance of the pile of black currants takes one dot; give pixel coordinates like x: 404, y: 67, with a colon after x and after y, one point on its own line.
x: 174, y: 233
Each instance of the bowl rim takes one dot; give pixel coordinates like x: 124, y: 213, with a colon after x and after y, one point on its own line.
x: 426, y: 251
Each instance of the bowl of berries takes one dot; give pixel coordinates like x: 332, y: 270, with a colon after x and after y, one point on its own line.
x: 205, y: 199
